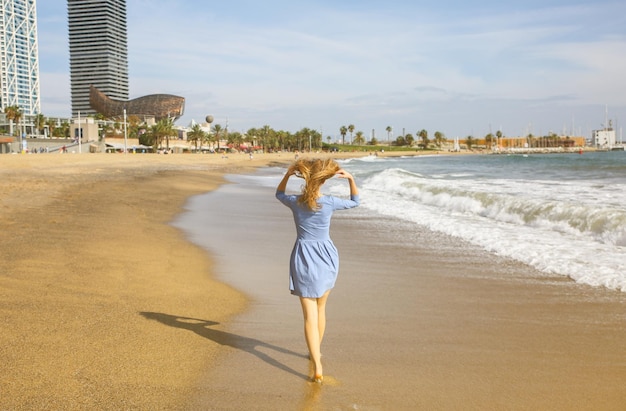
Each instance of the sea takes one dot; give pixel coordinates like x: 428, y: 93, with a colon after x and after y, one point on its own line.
x: 563, y: 214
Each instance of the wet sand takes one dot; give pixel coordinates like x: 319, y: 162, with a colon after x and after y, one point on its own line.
x: 107, y: 305
x: 448, y: 327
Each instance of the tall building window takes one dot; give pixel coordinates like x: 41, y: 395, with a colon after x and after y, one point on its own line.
x: 19, y: 56
x: 98, y: 50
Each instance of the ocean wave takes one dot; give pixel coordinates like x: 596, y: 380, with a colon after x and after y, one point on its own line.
x: 584, y: 241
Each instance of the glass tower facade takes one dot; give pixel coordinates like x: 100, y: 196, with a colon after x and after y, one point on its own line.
x: 98, y: 50
x: 19, y: 56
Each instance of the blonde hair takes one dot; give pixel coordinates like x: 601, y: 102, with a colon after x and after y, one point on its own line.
x: 315, y: 172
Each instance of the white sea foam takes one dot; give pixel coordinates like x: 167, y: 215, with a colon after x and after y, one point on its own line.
x: 568, y: 220
x: 581, y: 240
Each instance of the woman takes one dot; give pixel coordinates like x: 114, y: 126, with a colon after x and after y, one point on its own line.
x: 314, y: 262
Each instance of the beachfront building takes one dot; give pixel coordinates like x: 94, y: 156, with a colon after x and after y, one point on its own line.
x: 98, y: 51
x: 19, y: 56
x: 603, y: 139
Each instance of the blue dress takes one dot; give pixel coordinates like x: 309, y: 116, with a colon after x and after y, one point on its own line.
x: 314, y: 262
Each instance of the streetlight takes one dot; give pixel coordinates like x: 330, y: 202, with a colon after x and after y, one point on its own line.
x: 125, y: 133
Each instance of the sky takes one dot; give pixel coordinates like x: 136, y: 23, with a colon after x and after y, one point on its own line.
x: 459, y: 67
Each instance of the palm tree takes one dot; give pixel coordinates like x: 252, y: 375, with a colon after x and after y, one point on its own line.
x: 51, y: 126
x: 489, y: 138
x: 389, y: 129
x: 134, y: 124
x: 13, y: 114
x: 167, y: 130
x: 40, y: 122
x: 252, y: 136
x: 196, y: 134
x: 266, y: 135
x: 64, y: 131
x: 359, y: 140
x: 351, y: 130
x: 343, y: 130
x: 440, y: 138
x: 423, y: 135
x: 162, y: 129
x: 235, y: 139
x: 498, y: 137
x: 469, y: 142
x: 217, y: 129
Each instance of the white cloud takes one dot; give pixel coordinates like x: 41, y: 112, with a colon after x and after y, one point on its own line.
x: 459, y: 68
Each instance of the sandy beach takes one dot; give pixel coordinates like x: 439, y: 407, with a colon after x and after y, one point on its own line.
x: 86, y: 246
x: 106, y: 304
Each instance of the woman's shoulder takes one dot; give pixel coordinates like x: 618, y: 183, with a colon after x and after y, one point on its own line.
x: 282, y: 196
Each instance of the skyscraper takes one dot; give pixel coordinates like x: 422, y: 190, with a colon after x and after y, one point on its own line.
x: 19, y: 56
x: 98, y: 50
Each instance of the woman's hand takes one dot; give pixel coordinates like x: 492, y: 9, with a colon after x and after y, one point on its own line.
x: 344, y: 174
x: 291, y: 170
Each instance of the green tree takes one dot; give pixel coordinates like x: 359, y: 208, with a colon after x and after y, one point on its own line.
x: 163, y: 129
x: 489, y: 139
x: 400, y: 141
x: 351, y: 130
x: 343, y: 130
x: 14, y: 115
x: 359, y: 139
x: 51, y: 124
x: 440, y: 138
x: 217, y: 134
x: 196, y: 135
x: 235, y: 139
x: 64, y: 130
x: 389, y: 129
x: 134, y: 124
x: 409, y: 139
x: 423, y: 135
x: 469, y: 142
x: 40, y: 123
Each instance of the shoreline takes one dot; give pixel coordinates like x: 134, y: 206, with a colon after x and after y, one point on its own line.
x: 445, y: 325
x: 81, y: 265
x: 107, y: 305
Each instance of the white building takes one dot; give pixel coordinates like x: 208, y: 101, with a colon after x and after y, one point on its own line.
x: 19, y: 56
x: 604, y: 138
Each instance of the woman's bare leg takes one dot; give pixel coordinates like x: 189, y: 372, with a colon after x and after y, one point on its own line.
x: 321, y: 315
x: 314, y: 312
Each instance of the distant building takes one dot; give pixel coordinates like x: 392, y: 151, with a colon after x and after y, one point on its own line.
x: 19, y: 56
x: 604, y: 138
x: 154, y: 106
x: 98, y: 51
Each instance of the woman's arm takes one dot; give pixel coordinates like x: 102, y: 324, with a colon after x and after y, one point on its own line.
x: 353, y: 188
x: 282, y: 186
